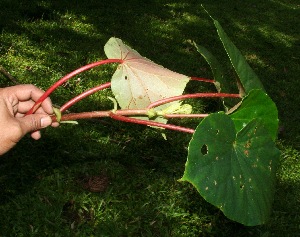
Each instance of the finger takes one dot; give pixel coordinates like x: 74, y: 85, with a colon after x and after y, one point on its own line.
x: 55, y: 124
x: 47, y: 106
x: 29, y: 92
x: 36, y: 135
x: 34, y: 122
x: 24, y: 106
x: 25, y: 92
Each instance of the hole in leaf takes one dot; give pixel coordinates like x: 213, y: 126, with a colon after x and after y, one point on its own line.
x: 204, y: 149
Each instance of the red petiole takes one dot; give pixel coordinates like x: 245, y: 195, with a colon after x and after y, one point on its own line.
x: 121, y: 115
x: 150, y: 123
x: 66, y: 78
x: 83, y: 95
x: 189, y: 96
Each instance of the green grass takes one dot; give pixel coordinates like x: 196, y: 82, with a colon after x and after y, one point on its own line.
x: 40, y: 189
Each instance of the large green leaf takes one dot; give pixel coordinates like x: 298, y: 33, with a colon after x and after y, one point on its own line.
x: 257, y: 104
x: 234, y: 172
x: 247, y: 76
x: 221, y: 82
x: 215, y: 67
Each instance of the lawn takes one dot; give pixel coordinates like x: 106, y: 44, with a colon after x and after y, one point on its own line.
x: 45, y: 185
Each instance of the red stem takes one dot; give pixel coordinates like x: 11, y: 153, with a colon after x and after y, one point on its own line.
x: 202, y: 79
x: 150, y: 123
x: 169, y: 116
x: 119, y: 115
x: 67, y: 77
x: 83, y: 95
x: 99, y: 114
x: 104, y: 86
x: 124, y: 112
x: 189, y: 96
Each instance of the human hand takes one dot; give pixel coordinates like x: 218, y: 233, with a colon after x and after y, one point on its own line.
x: 15, y: 101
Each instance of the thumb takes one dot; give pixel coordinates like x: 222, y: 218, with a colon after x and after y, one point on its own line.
x: 34, y: 122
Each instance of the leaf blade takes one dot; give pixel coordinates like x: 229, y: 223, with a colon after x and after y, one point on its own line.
x: 257, y: 104
x: 247, y: 76
x: 138, y: 81
x: 221, y: 83
x: 229, y: 174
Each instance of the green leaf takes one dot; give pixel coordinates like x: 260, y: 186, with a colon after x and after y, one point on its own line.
x: 57, y: 114
x: 215, y: 67
x: 257, y: 104
x: 222, y: 84
x: 247, y: 76
x: 234, y: 172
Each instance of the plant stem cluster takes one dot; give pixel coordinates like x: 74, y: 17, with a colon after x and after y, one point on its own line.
x: 125, y: 115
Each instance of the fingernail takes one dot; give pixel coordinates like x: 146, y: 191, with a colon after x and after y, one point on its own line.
x: 46, y: 121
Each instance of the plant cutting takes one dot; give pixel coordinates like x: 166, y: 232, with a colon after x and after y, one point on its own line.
x: 232, y: 157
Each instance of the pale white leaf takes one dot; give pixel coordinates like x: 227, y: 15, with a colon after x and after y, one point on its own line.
x: 138, y: 81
